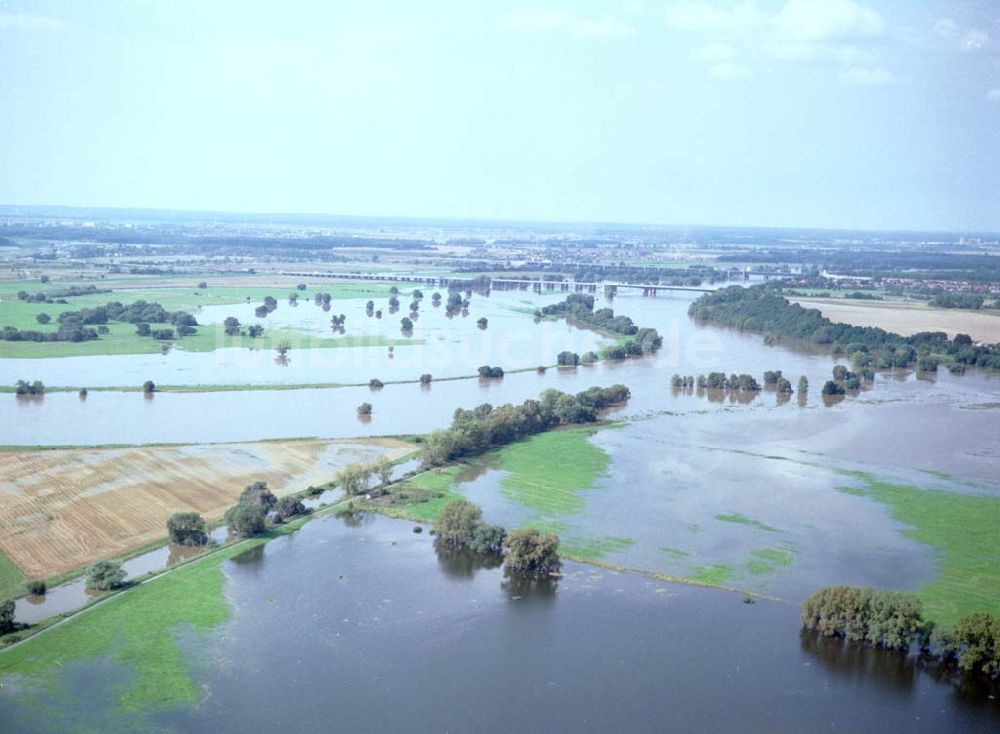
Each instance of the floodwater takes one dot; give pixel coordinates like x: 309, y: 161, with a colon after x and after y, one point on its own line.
x: 683, y: 459
x: 341, y: 622
x: 363, y: 627
x: 74, y: 594
x: 440, y: 345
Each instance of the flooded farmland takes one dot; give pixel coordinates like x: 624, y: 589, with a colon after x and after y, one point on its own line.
x: 756, y: 495
x: 380, y: 616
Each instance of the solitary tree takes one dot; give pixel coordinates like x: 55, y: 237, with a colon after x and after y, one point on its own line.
x: 529, y: 553
x: 104, y: 575
x: 365, y: 409
x: 187, y: 528
x: 149, y: 387
x: 456, y: 523
x: 43, y: 318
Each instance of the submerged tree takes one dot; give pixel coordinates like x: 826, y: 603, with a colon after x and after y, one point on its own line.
x: 529, y: 553
x: 457, y: 522
x: 104, y: 575
x: 187, y: 528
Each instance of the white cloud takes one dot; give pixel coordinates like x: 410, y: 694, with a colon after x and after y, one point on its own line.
x: 844, y: 33
x: 728, y: 71
x: 29, y: 23
x: 993, y: 96
x: 715, y: 53
x: 862, y: 76
x: 974, y: 40
x: 946, y: 28
x: 706, y: 17
x: 542, y: 20
x: 826, y: 20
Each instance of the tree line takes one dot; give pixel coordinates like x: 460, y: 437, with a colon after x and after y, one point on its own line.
x: 579, y: 308
x: 485, y: 427
x: 894, y: 621
x: 759, y: 308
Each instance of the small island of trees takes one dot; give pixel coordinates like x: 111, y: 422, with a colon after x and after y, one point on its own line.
x: 475, y: 431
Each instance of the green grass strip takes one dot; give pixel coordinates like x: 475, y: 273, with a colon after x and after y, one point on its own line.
x: 964, y: 529
x: 735, y: 517
x: 549, y: 471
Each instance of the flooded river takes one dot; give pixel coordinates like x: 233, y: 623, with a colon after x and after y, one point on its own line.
x: 761, y: 495
x: 365, y: 628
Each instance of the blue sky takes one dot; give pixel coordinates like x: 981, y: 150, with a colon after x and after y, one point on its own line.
x: 817, y: 113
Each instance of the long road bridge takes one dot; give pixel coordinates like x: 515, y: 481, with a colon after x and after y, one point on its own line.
x: 499, y: 283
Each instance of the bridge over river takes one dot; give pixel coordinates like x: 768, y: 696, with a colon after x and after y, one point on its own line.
x: 537, y: 286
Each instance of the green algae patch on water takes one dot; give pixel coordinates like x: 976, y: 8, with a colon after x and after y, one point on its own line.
x: 549, y: 471
x: 673, y: 552
x: 714, y: 575
x: 737, y: 518
x: 962, y: 527
x: 137, y: 628
x: 593, y: 549
x: 768, y: 560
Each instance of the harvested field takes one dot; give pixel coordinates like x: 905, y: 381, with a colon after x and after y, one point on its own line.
x: 909, y: 318
x: 61, y: 509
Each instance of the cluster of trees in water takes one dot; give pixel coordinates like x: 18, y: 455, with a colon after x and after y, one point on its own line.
x: 579, y: 308
x: 258, y: 508
x: 475, y: 431
x: 31, y: 389
x: 737, y: 382
x: 526, y: 552
x: 894, y: 621
x: 759, y: 308
x: 232, y: 327
x: 572, y: 359
x: 269, y: 305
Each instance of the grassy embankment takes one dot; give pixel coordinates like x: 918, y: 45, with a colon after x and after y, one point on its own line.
x: 962, y: 527
x: 122, y: 339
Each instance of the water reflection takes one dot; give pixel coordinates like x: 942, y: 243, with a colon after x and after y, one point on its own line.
x: 518, y: 588
x: 253, y: 557
x: 860, y: 662
x: 464, y: 564
x: 355, y: 519
x: 895, y: 671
